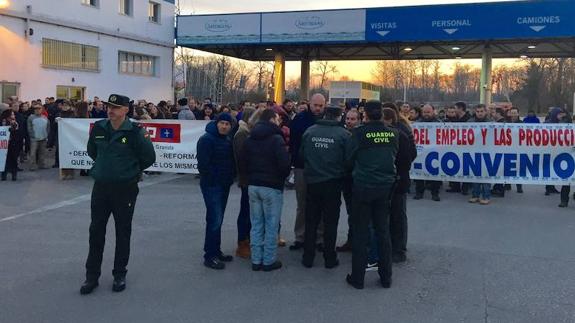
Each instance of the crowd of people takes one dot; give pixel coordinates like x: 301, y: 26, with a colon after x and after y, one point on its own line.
x: 459, y: 113
x: 369, y: 164
x: 34, y: 124
x: 324, y: 168
x: 363, y: 153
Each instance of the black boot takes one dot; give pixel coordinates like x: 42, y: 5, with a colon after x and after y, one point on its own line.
x: 119, y: 284
x: 88, y: 286
x: 14, y: 176
x: 4, y: 175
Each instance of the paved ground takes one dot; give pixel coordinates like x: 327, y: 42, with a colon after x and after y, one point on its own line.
x: 512, y: 261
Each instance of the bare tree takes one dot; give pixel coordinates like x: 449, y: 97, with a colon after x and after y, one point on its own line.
x: 324, y: 70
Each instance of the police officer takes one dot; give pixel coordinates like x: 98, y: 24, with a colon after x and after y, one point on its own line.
x: 121, y: 150
x: 324, y: 149
x: 374, y: 147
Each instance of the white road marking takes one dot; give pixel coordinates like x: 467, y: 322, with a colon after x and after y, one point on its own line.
x: 84, y: 198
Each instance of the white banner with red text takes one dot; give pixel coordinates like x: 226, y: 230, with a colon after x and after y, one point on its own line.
x: 4, y: 142
x: 174, y: 142
x: 495, y: 153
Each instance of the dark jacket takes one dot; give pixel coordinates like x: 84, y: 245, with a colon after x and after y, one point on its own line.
x: 486, y: 119
x: 553, y: 116
x: 434, y: 119
x: 298, y: 126
x: 264, y: 158
x: 215, y: 158
x: 465, y: 117
x: 239, y: 138
x: 374, y: 148
x: 21, y: 119
x: 325, y: 149
x: 407, y: 152
x: 508, y: 120
x: 121, y: 155
x: 102, y: 114
x: 533, y: 119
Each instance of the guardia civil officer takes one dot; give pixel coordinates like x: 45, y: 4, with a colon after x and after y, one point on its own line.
x: 374, y: 147
x: 324, y: 149
x: 121, y: 150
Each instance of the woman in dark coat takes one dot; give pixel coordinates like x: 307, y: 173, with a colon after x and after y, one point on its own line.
x: 83, y: 112
x: 7, y: 118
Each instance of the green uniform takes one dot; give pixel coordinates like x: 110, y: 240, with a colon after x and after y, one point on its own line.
x: 324, y: 148
x: 373, y: 150
x: 119, y: 155
x: 119, y: 158
x: 373, y: 153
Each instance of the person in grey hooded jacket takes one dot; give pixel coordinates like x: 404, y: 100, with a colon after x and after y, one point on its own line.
x: 184, y: 112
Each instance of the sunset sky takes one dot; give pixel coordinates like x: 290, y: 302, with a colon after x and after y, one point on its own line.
x: 356, y: 70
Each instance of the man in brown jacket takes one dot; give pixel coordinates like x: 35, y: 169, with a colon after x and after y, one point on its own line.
x: 244, y: 225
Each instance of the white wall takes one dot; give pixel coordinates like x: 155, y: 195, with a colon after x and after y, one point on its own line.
x: 106, y: 16
x: 21, y: 59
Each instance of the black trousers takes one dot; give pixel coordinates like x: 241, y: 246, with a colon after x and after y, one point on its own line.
x: 323, y: 202
x: 549, y: 188
x: 498, y: 189
x: 118, y: 199
x: 371, y: 205
x: 455, y: 186
x: 421, y: 185
x: 565, y: 190
x: 398, y: 223
x: 347, y: 197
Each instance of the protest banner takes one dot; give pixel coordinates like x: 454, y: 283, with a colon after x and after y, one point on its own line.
x: 174, y: 141
x: 495, y: 153
x: 461, y: 152
x: 4, y: 141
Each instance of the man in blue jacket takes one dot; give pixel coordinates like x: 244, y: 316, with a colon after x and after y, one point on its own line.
x: 217, y: 170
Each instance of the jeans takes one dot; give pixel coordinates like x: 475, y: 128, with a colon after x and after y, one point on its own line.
x: 481, y: 190
x: 37, y: 154
x: 216, y: 199
x: 244, y: 224
x: 265, y: 213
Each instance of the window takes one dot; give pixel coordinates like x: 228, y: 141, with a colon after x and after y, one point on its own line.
x: 126, y: 7
x: 73, y: 93
x: 8, y: 89
x: 91, y: 3
x: 154, y: 12
x: 138, y: 64
x: 71, y: 56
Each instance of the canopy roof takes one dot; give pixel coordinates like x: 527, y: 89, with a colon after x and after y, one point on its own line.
x: 511, y: 29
